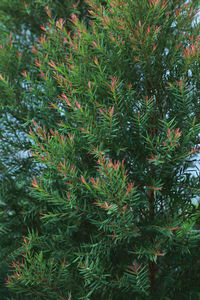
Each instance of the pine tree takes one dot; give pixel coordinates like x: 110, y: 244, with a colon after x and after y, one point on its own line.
x: 119, y: 171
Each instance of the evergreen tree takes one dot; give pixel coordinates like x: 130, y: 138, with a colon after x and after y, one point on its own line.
x: 115, y: 192
x: 20, y: 27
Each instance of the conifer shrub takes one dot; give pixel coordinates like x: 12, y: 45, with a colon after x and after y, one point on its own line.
x: 119, y: 179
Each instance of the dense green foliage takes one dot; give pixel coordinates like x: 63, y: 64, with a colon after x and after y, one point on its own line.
x: 113, y: 110
x: 20, y: 23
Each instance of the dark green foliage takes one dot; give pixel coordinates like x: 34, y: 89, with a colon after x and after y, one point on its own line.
x: 115, y: 142
x: 20, y: 23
